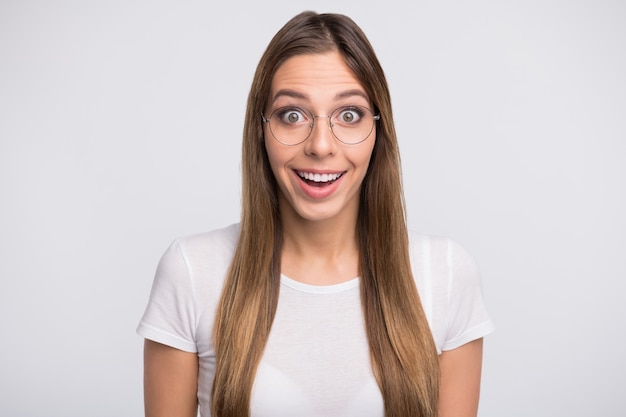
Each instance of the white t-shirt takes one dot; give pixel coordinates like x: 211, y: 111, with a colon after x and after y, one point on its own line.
x: 316, y: 362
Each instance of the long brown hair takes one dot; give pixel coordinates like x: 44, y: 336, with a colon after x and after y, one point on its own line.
x: 403, y: 355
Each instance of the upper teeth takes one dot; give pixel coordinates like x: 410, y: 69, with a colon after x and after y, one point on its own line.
x: 318, y: 177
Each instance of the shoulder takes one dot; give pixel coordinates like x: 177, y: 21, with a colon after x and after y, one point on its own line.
x: 443, y: 253
x: 199, y: 259
x: 215, y: 242
x: 441, y: 265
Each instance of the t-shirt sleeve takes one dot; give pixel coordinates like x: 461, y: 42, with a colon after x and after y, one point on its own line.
x: 467, y: 318
x: 170, y: 317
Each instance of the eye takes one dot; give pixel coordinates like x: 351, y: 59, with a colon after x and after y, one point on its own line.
x: 291, y: 115
x: 349, y: 115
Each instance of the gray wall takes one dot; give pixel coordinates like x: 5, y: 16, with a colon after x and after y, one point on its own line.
x: 120, y: 124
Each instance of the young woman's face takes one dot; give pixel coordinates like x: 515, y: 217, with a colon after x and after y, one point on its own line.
x: 319, y: 178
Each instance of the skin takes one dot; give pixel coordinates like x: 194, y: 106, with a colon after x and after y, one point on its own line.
x: 319, y: 233
x: 460, y: 380
x: 170, y: 381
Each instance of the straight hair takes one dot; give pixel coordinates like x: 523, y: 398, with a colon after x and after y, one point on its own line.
x: 403, y: 355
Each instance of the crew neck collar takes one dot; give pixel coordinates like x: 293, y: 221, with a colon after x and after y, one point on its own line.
x: 319, y: 289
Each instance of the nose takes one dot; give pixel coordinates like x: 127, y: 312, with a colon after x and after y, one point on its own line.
x: 321, y: 141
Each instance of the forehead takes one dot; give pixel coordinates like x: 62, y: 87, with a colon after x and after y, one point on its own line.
x: 315, y: 77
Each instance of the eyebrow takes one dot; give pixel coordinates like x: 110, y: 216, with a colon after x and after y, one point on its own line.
x: 295, y: 94
x: 352, y: 93
x: 288, y: 93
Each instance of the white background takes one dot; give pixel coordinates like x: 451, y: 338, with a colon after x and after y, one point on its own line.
x: 120, y: 129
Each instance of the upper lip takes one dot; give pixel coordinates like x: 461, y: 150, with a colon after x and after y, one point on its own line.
x: 318, y: 171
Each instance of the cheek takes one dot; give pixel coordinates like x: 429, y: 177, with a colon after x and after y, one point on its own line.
x: 365, y: 157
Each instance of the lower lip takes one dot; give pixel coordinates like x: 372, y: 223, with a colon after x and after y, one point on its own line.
x: 318, y: 193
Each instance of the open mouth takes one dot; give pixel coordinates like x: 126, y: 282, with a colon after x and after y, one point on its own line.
x: 319, y: 180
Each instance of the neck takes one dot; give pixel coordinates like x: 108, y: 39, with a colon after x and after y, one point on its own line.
x: 320, y: 252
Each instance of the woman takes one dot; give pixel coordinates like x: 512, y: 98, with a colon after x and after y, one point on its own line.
x: 318, y: 303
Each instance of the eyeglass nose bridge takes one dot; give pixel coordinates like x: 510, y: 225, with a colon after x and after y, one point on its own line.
x: 330, y: 123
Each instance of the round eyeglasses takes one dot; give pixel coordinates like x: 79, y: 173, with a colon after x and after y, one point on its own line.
x: 293, y: 125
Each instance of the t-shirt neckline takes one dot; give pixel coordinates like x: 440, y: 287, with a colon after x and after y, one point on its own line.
x: 319, y: 289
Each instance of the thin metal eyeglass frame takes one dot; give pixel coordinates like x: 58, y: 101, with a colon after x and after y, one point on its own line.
x: 330, y: 125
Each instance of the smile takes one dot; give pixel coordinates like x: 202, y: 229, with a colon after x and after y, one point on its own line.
x: 319, y: 179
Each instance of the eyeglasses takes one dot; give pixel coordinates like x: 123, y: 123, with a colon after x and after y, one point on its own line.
x: 293, y: 125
